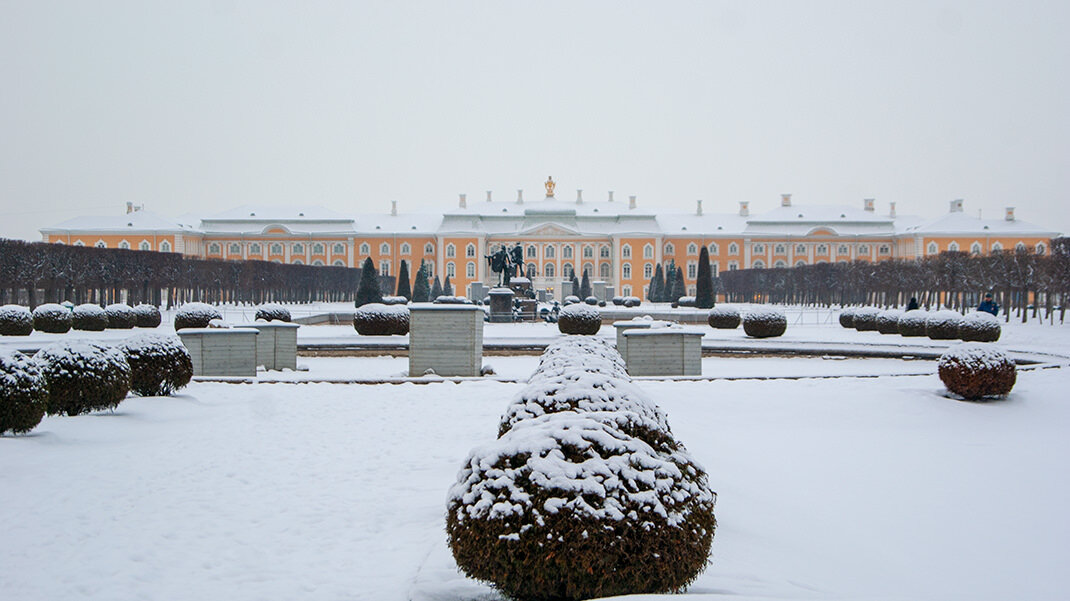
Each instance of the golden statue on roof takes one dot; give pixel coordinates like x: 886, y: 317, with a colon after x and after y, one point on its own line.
x: 550, y: 185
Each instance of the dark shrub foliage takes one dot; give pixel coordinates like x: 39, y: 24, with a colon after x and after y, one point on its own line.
x: 975, y: 371
x: 632, y: 301
x: 15, y: 320
x: 23, y: 393
x: 120, y: 316
x: 912, y: 323
x: 591, y: 300
x: 368, y: 289
x: 571, y: 300
x: 159, y: 365
x: 377, y: 319
x: 724, y: 318
x: 977, y: 327
x: 83, y: 377
x: 273, y: 312
x: 865, y: 319
x: 601, y: 303
x: 89, y: 317
x: 617, y: 300
x: 888, y: 321
x: 847, y: 317
x: 52, y: 318
x: 421, y: 289
x: 704, y: 283
x: 196, y: 315
x: 404, y: 288
x: 647, y: 529
x: 764, y: 322
x: 147, y: 316
x: 579, y: 319
x: 943, y: 325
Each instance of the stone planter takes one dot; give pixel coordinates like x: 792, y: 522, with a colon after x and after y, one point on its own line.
x: 447, y: 339
x: 501, y: 305
x: 276, y: 346
x: 666, y: 351
x: 221, y: 351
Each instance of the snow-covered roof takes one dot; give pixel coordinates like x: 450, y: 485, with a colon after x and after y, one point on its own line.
x: 707, y: 224
x: 960, y: 222
x: 138, y: 221
x: 375, y: 224
x: 255, y: 219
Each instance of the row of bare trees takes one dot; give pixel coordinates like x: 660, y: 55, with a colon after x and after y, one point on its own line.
x: 35, y: 273
x: 1022, y: 282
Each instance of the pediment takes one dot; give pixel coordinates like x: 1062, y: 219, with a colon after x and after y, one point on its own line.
x: 550, y: 230
x: 276, y: 228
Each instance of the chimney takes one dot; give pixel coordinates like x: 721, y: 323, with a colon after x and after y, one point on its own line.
x: 785, y: 200
x: 488, y: 195
x: 519, y: 197
x: 611, y: 196
x: 698, y: 207
x: 1008, y: 214
x: 129, y: 207
x: 394, y: 206
x: 579, y: 197
x: 744, y: 208
x: 891, y: 209
x: 956, y: 205
x: 462, y: 201
x: 867, y: 204
x: 631, y: 202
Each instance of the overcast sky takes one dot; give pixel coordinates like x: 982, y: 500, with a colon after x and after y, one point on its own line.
x: 203, y: 106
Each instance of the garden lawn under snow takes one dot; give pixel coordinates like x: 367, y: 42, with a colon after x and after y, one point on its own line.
x: 847, y: 489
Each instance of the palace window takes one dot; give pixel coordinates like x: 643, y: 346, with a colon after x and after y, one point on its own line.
x: 648, y: 251
x: 275, y: 249
x: 800, y: 249
x: 713, y: 269
x: 100, y: 244
x: 648, y: 271
x: 843, y: 250
x: 692, y: 270
x: 603, y: 271
x: 533, y: 251
x: 603, y: 252
x: 863, y: 249
x: 298, y: 262
x: 566, y: 252
x: 549, y: 252
x: 626, y: 271
x: 758, y: 264
x: 235, y: 248
x: 733, y: 265
x: 1040, y: 248
x: 587, y: 269
x: 317, y: 263
x: 669, y: 249
x: 339, y: 249
x: 384, y: 267
x: 996, y: 247
x: 339, y: 263
x: 780, y: 249
x: 429, y: 249
x: 626, y: 251
x: 626, y: 291
x: 254, y: 249
x: 932, y: 250
x: 716, y: 250
x: 79, y: 243
x: 822, y: 249
x: 146, y: 246
x: 531, y: 271
x: 317, y: 249
x: 566, y: 270
x: 548, y: 270
x: 126, y: 246
x: 451, y: 270
x: 365, y: 249
x: 800, y: 263
x: 298, y: 249
x: 213, y: 248
x: 953, y: 247
x: 975, y: 248
x: 470, y: 250
x: 758, y: 249
x: 884, y: 249
x: 470, y: 270
x: 733, y: 249
x: 780, y: 264
x: 165, y: 247
x: 451, y: 250
x: 406, y: 249
x: 1020, y: 247
x: 588, y: 252
x: 692, y: 249
x: 384, y: 248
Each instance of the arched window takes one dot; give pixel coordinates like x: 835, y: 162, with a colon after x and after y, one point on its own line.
x: 758, y: 264
x: 733, y: 249
x: 165, y: 247
x: 146, y: 246
x: 863, y: 249
x: 669, y: 249
x: 648, y: 251
x: 339, y: 263
x: 626, y: 291
x: 298, y: 262
x: 758, y: 249
x: 384, y: 267
x: 298, y: 249
x: 932, y: 249
x: 548, y: 270
x: 429, y: 267
x: 567, y: 271
x: 692, y: 249
x: 451, y: 270
x: 126, y: 246
x: 884, y: 249
x: 254, y: 249
x: 692, y: 270
x: 975, y: 248
x: 470, y: 270
x: 406, y: 249
x: 317, y: 263
x: 384, y: 248
x: 588, y: 269
x: 548, y: 251
x: 800, y: 249
x: 213, y: 248
x: 626, y: 251
x: 79, y: 243
x: 100, y: 244
x: 1020, y: 247
x: 275, y: 248
x: 996, y: 247
x: 1040, y: 248
x: 340, y: 249
x: 800, y: 263
x: 588, y: 252
x: 531, y: 270
x: 780, y: 264
x: 603, y: 271
x: 780, y: 249
x: 822, y: 249
x: 953, y: 247
x: 566, y: 252
x: 648, y: 270
x: 733, y: 265
x: 365, y: 249
x: 470, y: 250
x: 626, y: 271
x: 235, y: 248
x: 429, y: 249
x: 716, y: 250
x: 843, y: 250
x: 533, y: 251
x: 317, y: 249
x: 603, y: 252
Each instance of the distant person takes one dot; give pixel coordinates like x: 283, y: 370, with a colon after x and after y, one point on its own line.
x: 988, y: 305
x: 913, y: 304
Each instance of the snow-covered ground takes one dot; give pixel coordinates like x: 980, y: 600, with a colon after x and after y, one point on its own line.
x: 846, y: 488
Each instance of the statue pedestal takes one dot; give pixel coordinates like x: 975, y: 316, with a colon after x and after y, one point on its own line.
x: 520, y: 286
x: 501, y: 305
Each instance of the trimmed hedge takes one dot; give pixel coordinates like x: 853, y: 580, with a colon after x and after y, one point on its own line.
x: 89, y: 318
x: 53, y: 318
x: 195, y: 315
x: 272, y: 312
x: 23, y: 393
x: 888, y: 321
x: 847, y: 317
x: 121, y: 316
x: 83, y: 377
x: 159, y: 365
x: 147, y: 316
x: 724, y: 318
x: 980, y: 327
x: 764, y: 322
x: 15, y: 320
x: 377, y: 319
x: 580, y: 319
x: 865, y: 319
x: 943, y: 325
x: 912, y: 323
x: 975, y: 371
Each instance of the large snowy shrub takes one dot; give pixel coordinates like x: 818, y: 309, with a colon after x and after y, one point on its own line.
x: 579, y: 318
x: 159, y: 365
x: 147, y: 316
x: 395, y: 300
x: 943, y: 325
x: 83, y: 377
x: 580, y: 354
x: 847, y: 317
x: 912, y: 323
x: 272, y: 312
x: 377, y: 319
x: 888, y: 321
x: 23, y: 393
x: 195, y: 315
x: 632, y: 301
x: 617, y: 300
x: 978, y: 327
x: 566, y: 507
x: 975, y: 371
x: 571, y: 300
x: 451, y: 300
x: 764, y: 322
x: 865, y: 319
x: 53, y: 318
x: 15, y: 320
x: 121, y: 316
x: 724, y: 318
x: 89, y: 317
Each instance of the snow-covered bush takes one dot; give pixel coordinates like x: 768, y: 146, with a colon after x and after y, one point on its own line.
x: 632, y: 301
x: 15, y: 320
x: 452, y: 300
x: 865, y: 319
x: 764, y: 322
x: 53, y: 318
x: 159, y: 365
x: 943, y: 325
x: 976, y: 371
x: 272, y: 312
x: 591, y: 300
x: 912, y: 323
x: 978, y: 327
x: 23, y: 393
x: 724, y: 318
x: 147, y: 316
x: 579, y: 318
x: 195, y: 315
x: 888, y: 321
x: 617, y: 300
x: 847, y: 317
x: 571, y: 300
x: 686, y: 301
x: 121, y: 316
x: 89, y: 317
x: 565, y: 506
x: 395, y: 300
x: 377, y: 319
x: 83, y: 377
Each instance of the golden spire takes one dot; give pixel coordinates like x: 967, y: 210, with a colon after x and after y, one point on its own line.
x: 550, y: 185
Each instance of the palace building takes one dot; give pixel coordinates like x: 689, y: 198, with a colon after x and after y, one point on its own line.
x: 617, y: 242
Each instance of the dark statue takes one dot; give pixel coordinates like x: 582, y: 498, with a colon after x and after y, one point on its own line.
x: 507, y: 263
